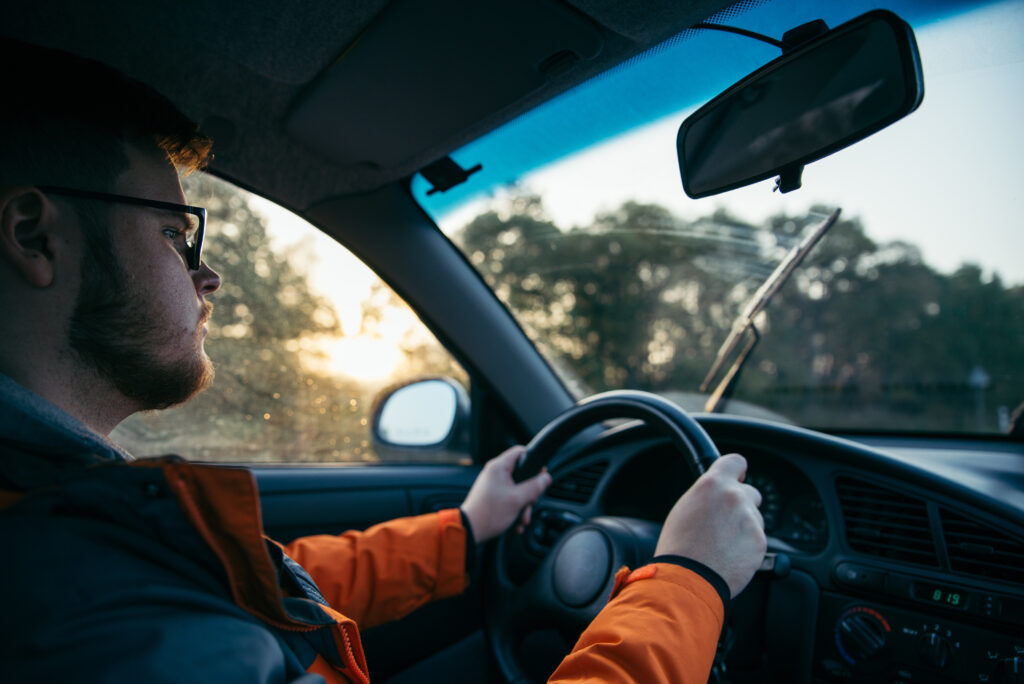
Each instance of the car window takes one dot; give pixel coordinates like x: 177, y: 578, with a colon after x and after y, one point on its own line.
x: 907, y: 317
x: 304, y: 337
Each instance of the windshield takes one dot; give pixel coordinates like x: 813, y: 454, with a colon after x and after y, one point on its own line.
x: 907, y: 316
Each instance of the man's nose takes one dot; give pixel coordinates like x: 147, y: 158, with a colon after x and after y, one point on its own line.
x: 207, y: 281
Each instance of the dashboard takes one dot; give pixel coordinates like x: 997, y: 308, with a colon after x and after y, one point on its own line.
x: 649, y: 483
x: 906, y: 556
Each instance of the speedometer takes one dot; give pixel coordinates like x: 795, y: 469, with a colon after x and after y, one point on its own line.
x: 803, y: 524
x: 770, y: 500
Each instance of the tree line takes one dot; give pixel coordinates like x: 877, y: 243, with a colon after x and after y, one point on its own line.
x: 864, y: 335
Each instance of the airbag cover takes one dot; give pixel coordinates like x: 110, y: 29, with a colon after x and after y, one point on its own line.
x: 582, y: 567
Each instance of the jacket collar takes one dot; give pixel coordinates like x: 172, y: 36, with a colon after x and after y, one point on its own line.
x: 38, y: 439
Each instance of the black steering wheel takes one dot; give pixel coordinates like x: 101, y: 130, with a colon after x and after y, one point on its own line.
x: 573, y: 582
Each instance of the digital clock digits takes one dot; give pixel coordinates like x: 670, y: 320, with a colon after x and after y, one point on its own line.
x: 947, y: 596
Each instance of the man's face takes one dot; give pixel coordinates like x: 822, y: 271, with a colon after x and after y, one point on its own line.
x: 139, y: 321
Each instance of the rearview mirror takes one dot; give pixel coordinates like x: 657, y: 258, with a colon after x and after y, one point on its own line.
x: 816, y: 99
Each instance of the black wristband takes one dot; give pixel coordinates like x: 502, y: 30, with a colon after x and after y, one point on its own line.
x: 713, y: 578
x: 470, y: 542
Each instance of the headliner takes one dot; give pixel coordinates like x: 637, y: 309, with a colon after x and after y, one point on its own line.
x: 377, y: 89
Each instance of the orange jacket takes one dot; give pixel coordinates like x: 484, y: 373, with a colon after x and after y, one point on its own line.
x: 661, y: 625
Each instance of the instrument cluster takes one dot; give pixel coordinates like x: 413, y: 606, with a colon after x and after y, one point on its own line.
x: 794, y: 514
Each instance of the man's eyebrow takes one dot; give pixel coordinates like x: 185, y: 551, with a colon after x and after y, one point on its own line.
x: 189, y: 220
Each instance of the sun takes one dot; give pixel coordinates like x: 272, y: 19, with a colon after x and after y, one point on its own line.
x: 362, y: 358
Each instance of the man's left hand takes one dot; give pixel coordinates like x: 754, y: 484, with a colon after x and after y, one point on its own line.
x: 495, y: 501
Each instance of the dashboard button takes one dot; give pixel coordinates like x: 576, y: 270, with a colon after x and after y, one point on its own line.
x: 986, y: 605
x: 859, y: 576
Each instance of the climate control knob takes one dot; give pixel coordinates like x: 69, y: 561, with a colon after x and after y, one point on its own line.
x: 1011, y: 671
x: 861, y: 632
x: 934, y: 649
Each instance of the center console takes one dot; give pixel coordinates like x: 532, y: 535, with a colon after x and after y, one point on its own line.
x: 906, y: 628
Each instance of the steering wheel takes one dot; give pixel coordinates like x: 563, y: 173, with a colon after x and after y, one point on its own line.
x: 573, y: 582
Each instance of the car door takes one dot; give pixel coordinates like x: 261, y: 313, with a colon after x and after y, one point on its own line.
x: 302, y: 501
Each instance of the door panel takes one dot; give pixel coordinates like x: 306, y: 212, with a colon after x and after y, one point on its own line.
x: 314, y: 500
x: 302, y: 501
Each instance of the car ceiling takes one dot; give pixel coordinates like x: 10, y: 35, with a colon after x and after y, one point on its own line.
x: 376, y: 90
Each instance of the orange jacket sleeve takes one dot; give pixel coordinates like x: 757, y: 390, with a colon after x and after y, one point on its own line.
x: 661, y: 625
x: 390, y: 569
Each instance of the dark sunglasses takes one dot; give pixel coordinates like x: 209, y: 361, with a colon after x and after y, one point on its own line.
x: 193, y: 246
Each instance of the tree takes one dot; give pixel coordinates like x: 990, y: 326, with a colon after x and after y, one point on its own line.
x: 572, y: 286
x: 864, y: 334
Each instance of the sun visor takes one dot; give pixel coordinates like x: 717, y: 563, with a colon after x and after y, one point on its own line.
x: 425, y: 72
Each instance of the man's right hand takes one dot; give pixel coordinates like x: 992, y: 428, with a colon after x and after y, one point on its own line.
x: 717, y: 522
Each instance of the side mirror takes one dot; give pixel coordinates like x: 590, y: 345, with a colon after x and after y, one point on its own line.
x: 818, y: 98
x: 424, y: 420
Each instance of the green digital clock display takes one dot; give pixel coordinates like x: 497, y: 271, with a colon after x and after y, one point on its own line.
x: 940, y: 595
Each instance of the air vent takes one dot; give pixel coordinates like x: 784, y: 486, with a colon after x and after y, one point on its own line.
x: 578, y: 485
x: 886, y: 523
x: 979, y: 550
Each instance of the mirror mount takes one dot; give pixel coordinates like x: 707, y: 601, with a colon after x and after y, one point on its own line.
x: 795, y: 37
x: 790, y: 179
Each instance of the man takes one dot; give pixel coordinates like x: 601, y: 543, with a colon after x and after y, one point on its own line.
x: 158, y: 570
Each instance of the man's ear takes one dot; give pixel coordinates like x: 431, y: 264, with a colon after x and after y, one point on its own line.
x: 27, y: 238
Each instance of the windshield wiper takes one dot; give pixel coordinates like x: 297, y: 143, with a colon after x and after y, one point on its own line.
x: 745, y: 321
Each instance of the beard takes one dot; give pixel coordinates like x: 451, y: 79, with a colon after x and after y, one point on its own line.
x: 114, y: 331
